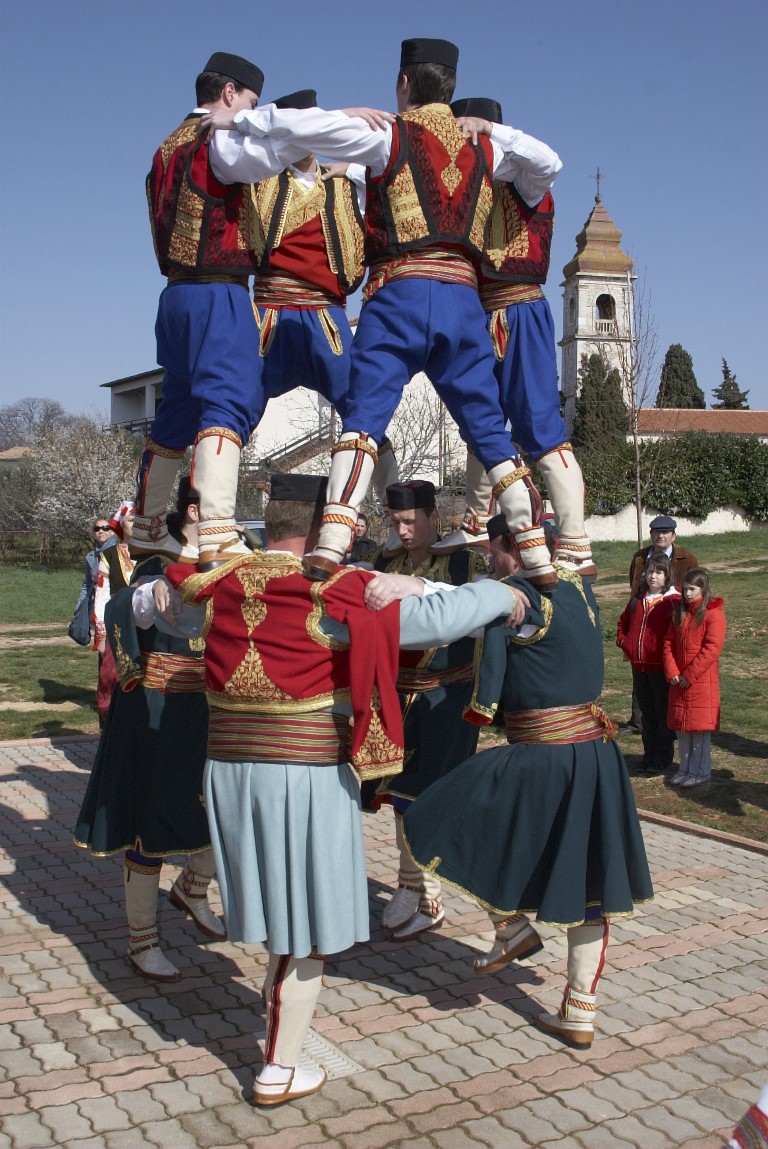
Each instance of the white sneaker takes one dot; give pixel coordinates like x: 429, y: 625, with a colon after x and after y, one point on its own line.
x: 678, y: 779
x: 279, y: 1083
x: 695, y: 780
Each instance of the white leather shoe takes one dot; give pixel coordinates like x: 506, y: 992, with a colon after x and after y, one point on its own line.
x: 574, y: 1023
x: 516, y: 940
x: 400, y: 908
x: 420, y: 923
x: 199, y: 910
x: 279, y: 1083
x: 150, y: 961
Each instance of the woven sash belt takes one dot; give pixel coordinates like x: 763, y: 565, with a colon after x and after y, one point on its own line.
x: 285, y: 291
x: 494, y: 296
x: 417, y: 680
x: 173, y: 673
x: 320, y: 736
x: 184, y: 277
x: 448, y: 267
x: 559, y: 725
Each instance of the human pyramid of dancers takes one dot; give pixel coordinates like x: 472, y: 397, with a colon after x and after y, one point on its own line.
x: 319, y: 676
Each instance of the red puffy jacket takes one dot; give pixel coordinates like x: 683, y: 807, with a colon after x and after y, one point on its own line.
x: 642, y: 627
x: 693, y: 649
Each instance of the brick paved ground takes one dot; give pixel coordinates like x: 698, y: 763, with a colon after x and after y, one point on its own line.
x: 423, y: 1054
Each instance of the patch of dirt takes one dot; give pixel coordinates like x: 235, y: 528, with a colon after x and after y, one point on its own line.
x: 18, y: 643
x: 24, y: 707
x: 24, y: 627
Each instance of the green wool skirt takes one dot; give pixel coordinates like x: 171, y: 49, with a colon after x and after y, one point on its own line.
x: 550, y: 830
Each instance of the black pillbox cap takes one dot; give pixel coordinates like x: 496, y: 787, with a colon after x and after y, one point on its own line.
x: 306, y: 98
x: 237, y: 69
x: 428, y: 52
x: 298, y: 488
x: 418, y: 494
x: 478, y: 106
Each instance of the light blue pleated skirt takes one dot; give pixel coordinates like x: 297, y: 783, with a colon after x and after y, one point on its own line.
x: 288, y: 842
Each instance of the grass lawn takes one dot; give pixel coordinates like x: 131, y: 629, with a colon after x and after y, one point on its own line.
x: 37, y: 604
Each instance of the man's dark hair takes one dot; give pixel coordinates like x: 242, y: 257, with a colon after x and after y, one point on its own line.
x: 285, y: 519
x: 429, y: 83
x: 362, y: 516
x: 210, y: 85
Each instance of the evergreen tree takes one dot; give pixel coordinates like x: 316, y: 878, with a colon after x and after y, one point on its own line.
x: 729, y: 396
x: 601, y: 420
x: 678, y: 386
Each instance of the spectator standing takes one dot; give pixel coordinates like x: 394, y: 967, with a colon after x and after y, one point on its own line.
x: 114, y: 573
x: 361, y: 548
x: 692, y: 649
x: 80, y: 627
x: 640, y: 634
x: 662, y: 529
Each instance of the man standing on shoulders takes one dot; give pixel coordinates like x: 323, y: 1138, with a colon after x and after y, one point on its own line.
x: 207, y: 337
x: 662, y: 529
x: 514, y: 265
x: 428, y: 197
x: 435, y: 687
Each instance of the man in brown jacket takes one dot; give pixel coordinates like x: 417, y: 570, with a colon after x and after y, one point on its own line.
x: 662, y: 530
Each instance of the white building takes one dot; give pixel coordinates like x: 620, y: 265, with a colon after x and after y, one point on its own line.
x: 597, y: 303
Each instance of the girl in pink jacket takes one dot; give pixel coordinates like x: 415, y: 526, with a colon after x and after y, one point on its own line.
x: 691, y: 657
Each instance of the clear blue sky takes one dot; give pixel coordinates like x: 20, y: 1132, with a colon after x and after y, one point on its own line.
x: 668, y: 97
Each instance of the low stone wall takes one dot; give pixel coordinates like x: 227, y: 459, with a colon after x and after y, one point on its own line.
x: 623, y: 525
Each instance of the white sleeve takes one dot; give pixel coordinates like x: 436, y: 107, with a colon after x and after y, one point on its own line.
x: 143, y: 605
x: 524, y: 161
x: 246, y: 159
x: 332, y: 135
x: 356, y: 173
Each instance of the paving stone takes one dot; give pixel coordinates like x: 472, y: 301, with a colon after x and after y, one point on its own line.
x: 66, y: 1122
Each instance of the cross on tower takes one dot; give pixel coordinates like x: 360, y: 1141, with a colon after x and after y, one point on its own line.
x: 597, y: 177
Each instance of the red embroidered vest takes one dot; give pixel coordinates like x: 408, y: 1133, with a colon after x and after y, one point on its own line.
x: 518, y: 237
x: 198, y: 224
x: 265, y: 652
x: 315, y: 236
x: 436, y: 190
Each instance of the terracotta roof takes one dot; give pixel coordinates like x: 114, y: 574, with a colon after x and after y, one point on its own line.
x: 598, y: 246
x: 676, y: 420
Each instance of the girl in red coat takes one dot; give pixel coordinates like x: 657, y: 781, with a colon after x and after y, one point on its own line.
x: 640, y: 635
x: 691, y: 655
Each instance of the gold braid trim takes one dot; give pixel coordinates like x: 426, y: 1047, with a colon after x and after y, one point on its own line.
x: 547, y: 610
x: 556, y: 450
x: 163, y: 452
x: 331, y: 332
x: 221, y: 433
x: 130, y: 671
x: 575, y: 579
x: 366, y: 445
x: 507, y: 480
x: 378, y: 756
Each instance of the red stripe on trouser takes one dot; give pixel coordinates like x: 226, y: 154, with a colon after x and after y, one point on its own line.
x: 352, y: 481
x: 283, y: 962
x: 601, y: 963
